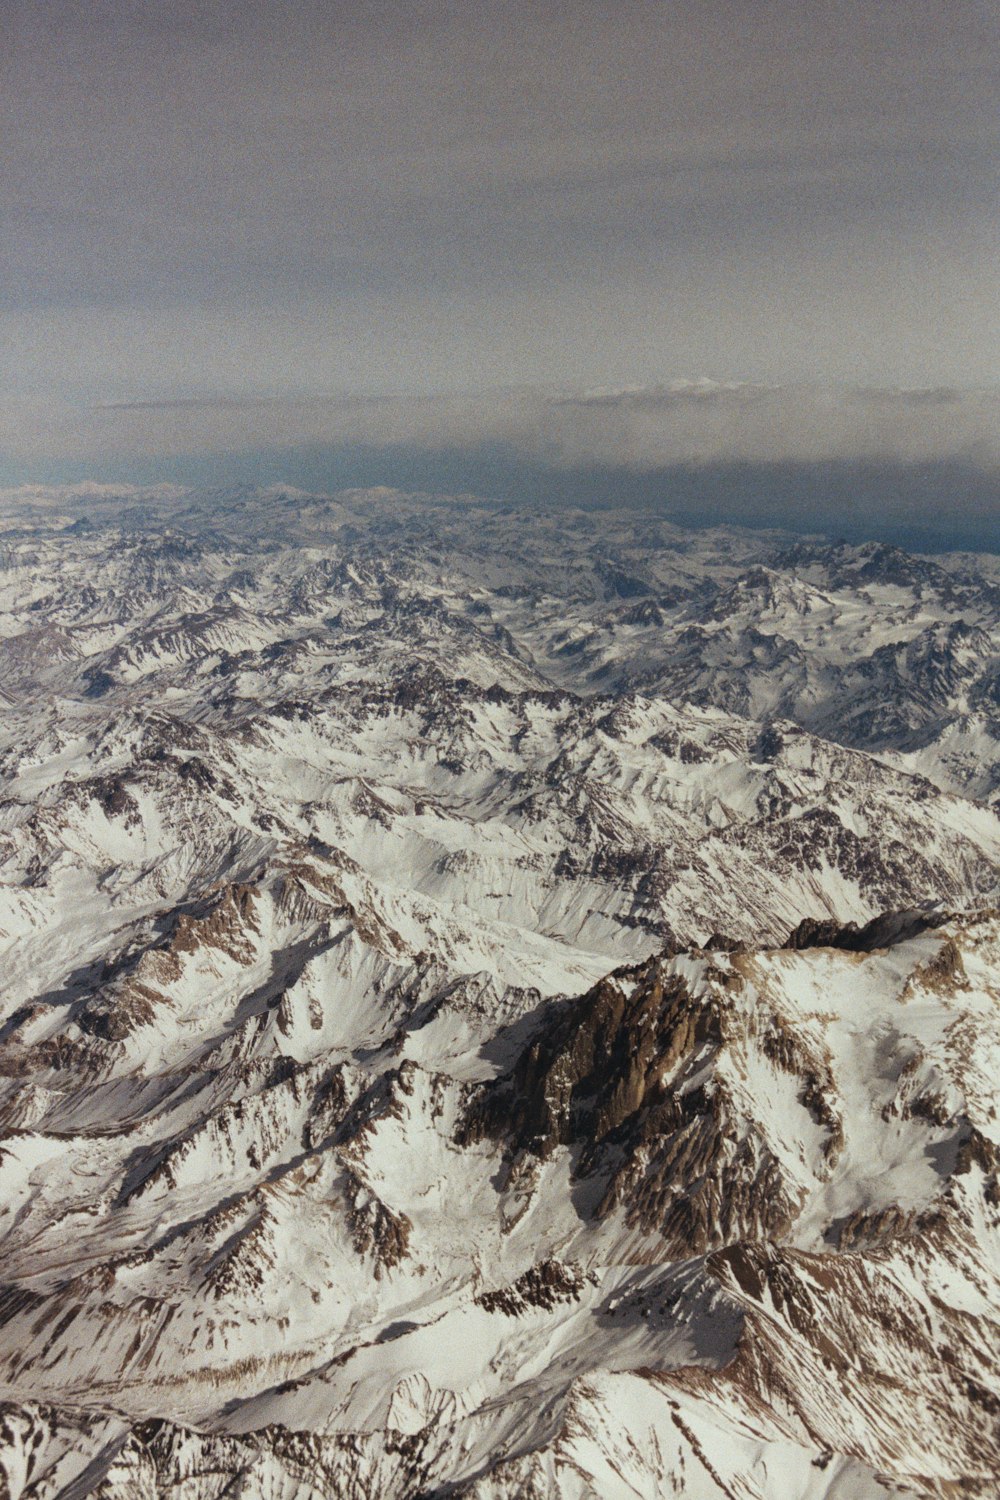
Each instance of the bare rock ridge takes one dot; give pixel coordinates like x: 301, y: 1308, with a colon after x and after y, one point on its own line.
x: 883, y: 931
x: 493, y: 1005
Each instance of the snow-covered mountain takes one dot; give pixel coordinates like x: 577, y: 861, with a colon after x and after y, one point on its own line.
x: 452, y: 1040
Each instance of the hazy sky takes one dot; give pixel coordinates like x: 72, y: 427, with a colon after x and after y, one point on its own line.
x: 242, y: 201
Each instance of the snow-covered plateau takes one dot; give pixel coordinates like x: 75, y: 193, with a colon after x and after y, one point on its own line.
x: 494, y: 1004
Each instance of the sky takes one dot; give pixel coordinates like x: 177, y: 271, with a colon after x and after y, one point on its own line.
x: 630, y: 236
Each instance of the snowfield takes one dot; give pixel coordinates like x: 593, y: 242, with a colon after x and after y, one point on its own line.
x: 452, y: 1039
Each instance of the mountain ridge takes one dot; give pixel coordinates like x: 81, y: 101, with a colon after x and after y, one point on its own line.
x: 467, y: 1032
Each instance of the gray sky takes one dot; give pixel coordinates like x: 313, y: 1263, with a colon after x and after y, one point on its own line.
x: 301, y: 200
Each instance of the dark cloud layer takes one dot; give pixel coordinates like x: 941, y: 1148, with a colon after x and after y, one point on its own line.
x: 919, y: 466
x: 259, y: 199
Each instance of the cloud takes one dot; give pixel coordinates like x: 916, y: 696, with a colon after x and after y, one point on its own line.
x: 639, y: 428
x: 211, y: 196
x: 919, y: 466
x: 710, y: 422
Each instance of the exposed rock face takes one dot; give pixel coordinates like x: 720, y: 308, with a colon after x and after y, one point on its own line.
x: 881, y: 932
x: 544, y: 1286
x: 618, y: 1076
x: 479, y: 1019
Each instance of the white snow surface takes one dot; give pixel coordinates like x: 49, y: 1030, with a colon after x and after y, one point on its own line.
x: 404, y: 1089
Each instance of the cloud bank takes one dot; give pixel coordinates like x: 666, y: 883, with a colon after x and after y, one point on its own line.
x: 240, y: 197
x: 639, y: 428
x: 917, y: 466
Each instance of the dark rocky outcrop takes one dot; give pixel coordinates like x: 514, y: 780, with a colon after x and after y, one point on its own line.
x: 884, y: 931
